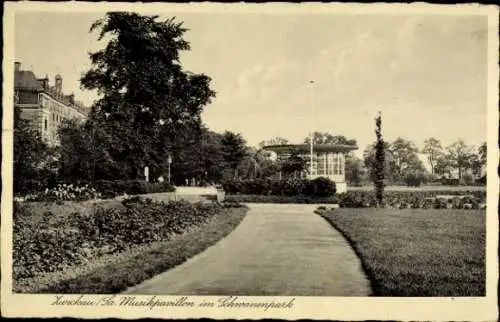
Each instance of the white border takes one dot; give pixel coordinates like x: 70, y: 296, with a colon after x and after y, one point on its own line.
x: 465, y: 309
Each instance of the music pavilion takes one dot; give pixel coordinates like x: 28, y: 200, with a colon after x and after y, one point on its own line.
x: 323, y: 160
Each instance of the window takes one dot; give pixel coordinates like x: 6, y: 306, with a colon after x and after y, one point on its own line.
x: 45, y: 125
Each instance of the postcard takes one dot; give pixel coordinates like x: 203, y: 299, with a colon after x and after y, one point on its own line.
x: 232, y: 161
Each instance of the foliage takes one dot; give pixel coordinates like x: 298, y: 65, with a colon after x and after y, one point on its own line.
x: 327, y: 138
x: 66, y: 192
x: 110, y: 189
x: 366, y: 199
x: 459, y: 156
x: 414, y: 199
x: 115, y: 273
x: 54, y: 243
x: 33, y: 159
x: 414, y: 178
x: 379, y: 165
x: 149, y: 107
x: 234, y: 151
x: 294, y: 165
x: 277, y: 199
x: 354, y: 171
x: 274, y: 141
x: 319, y: 187
x: 433, y: 149
x: 406, y: 161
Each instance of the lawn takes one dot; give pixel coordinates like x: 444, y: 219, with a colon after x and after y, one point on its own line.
x: 421, y: 188
x: 417, y: 252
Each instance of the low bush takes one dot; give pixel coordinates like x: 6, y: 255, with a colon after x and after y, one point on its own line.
x: 319, y: 187
x: 414, y: 199
x: 110, y: 189
x: 52, y: 243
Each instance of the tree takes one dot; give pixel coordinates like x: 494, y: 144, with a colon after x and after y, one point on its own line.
x: 234, y: 150
x: 406, y: 161
x: 294, y: 165
x: 354, y: 170
x: 327, y: 138
x: 459, y: 156
x: 379, y: 165
x: 478, y: 161
x: 34, y: 161
x: 433, y: 149
x: 149, y: 106
x: 274, y: 141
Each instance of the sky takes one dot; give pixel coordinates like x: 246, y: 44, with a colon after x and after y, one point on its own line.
x: 426, y: 74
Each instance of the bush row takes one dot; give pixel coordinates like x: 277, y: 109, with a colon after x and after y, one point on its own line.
x: 110, y: 189
x: 104, y: 189
x: 414, y: 199
x: 54, y: 242
x: 319, y: 187
x: 393, y: 199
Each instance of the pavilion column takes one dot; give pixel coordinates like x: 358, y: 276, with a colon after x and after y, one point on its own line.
x: 337, y: 155
x: 325, y: 172
x: 342, y: 159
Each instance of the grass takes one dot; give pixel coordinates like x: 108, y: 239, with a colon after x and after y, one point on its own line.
x: 416, y: 252
x: 421, y: 188
x: 132, y: 268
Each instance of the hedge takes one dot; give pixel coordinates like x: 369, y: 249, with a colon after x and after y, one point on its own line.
x: 110, y: 189
x: 393, y: 199
x: 319, y: 187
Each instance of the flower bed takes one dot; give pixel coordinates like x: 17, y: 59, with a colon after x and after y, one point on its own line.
x: 52, y: 243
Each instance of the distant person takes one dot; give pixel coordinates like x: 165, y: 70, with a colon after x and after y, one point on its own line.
x: 160, y: 179
x: 187, y: 181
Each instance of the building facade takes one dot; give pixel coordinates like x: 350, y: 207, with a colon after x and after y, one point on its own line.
x: 45, y: 106
x: 328, y: 160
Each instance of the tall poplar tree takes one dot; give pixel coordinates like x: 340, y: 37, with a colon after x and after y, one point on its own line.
x: 378, y: 181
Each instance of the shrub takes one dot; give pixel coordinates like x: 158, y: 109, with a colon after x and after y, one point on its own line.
x: 320, y: 187
x: 53, y: 243
x: 393, y: 199
x: 413, y: 179
x: 110, y: 189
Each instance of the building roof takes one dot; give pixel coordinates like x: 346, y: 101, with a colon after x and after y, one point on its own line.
x: 26, y: 79
x: 305, y: 148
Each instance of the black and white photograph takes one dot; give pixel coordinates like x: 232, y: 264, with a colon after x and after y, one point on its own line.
x: 225, y: 159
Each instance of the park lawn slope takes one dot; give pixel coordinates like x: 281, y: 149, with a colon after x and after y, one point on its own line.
x: 417, y: 252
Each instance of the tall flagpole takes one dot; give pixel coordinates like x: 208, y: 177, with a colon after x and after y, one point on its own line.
x: 311, y: 143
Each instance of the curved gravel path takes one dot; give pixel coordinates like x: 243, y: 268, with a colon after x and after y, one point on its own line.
x: 276, y: 250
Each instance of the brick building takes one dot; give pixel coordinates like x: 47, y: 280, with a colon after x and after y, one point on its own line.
x: 43, y: 105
